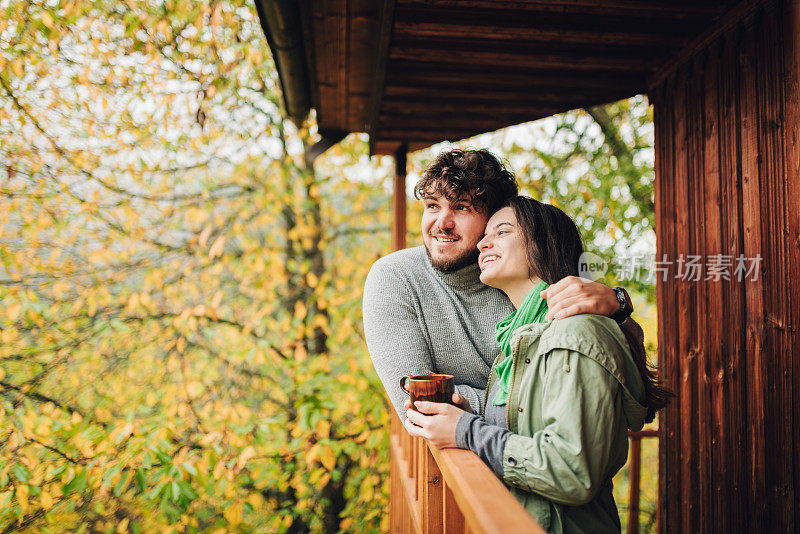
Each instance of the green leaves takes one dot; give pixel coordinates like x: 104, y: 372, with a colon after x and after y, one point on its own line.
x: 78, y: 483
x: 21, y: 473
x: 180, y: 340
x: 141, y: 479
x: 181, y: 324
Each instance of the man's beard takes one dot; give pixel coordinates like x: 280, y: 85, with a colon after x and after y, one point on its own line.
x: 469, y: 257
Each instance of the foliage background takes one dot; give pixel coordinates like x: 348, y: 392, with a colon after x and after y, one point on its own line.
x: 182, y: 346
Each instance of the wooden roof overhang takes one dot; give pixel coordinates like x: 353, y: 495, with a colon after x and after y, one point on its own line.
x: 416, y: 73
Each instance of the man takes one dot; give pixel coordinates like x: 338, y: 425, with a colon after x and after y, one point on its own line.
x: 425, y: 308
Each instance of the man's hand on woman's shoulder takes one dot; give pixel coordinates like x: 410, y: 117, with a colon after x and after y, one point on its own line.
x: 573, y: 295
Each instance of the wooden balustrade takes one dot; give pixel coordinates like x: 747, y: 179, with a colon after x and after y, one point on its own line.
x: 448, y: 491
x: 451, y: 491
x: 634, y: 476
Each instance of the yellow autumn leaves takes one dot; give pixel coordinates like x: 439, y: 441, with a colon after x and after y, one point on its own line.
x: 181, y: 345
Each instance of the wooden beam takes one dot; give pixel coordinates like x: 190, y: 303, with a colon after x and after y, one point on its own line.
x: 381, y: 57
x: 434, y: 135
x: 363, y: 19
x: 328, y: 28
x: 422, y: 134
x: 449, y: 122
x: 517, y: 24
x: 678, y: 9
x: 477, y: 33
x: 388, y: 147
x: 441, y: 109
x: 418, y: 138
x: 399, y: 198
x: 469, y: 95
x: 407, y: 137
x: 530, y: 57
x: 445, y: 74
x: 443, y: 46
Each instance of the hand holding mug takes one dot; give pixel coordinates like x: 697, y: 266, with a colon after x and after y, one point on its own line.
x: 434, y: 421
x: 430, y: 388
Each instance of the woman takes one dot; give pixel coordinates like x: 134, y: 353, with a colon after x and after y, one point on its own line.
x: 562, y: 395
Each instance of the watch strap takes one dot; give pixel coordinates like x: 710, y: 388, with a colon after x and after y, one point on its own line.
x: 625, y: 307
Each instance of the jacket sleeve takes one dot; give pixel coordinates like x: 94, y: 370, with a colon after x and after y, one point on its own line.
x: 566, y: 461
x: 484, y: 439
x: 397, y: 343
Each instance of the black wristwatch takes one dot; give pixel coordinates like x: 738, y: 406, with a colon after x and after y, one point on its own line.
x: 625, y: 305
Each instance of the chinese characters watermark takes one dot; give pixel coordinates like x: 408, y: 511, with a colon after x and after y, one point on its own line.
x: 685, y: 267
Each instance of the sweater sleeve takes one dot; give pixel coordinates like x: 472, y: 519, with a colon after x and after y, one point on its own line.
x: 566, y: 461
x: 397, y: 342
x: 484, y: 439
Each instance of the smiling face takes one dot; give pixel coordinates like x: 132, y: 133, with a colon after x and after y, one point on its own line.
x: 451, y: 230
x: 503, y: 254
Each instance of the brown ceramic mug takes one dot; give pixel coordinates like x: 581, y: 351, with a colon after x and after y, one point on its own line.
x: 431, y: 388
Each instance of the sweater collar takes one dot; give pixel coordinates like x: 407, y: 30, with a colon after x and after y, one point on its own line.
x: 464, y: 278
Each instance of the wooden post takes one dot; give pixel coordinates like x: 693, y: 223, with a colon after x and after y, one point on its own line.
x: 395, y: 495
x: 634, y: 471
x: 432, y: 499
x: 399, y: 198
x: 419, y: 458
x: 453, y: 518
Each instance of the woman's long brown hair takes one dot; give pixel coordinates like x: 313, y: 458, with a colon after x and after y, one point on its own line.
x: 554, y: 251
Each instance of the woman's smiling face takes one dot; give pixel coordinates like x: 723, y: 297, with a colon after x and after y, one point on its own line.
x: 503, y: 252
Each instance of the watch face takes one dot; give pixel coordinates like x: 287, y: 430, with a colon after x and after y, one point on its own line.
x: 625, y: 305
x: 628, y: 300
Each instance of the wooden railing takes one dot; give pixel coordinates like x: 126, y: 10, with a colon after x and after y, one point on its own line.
x: 452, y: 491
x: 448, y: 491
x: 634, y: 476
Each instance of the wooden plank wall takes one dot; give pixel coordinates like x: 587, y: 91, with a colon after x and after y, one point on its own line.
x: 728, y: 182
x: 341, y: 37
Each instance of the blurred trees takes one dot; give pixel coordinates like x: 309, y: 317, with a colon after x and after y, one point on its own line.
x: 181, y: 337
x: 596, y: 164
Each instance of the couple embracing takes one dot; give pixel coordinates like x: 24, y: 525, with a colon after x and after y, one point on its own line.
x: 550, y: 374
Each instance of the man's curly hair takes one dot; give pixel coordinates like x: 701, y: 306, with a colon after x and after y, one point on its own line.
x: 474, y: 176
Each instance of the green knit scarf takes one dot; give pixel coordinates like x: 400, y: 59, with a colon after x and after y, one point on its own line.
x: 533, y: 310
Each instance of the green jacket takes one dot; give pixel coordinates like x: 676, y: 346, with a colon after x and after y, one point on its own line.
x: 574, y: 394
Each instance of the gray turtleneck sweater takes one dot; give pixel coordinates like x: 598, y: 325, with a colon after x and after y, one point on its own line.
x: 418, y: 320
